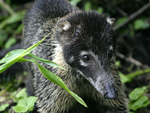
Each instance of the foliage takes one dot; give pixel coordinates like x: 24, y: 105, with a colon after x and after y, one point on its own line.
x: 74, y: 2
x: 3, y: 107
x: 141, y: 24
x: 24, y: 103
x: 138, y: 99
x: 17, y: 56
x: 12, y: 19
x: 130, y: 76
x: 11, y: 28
x: 9, y: 95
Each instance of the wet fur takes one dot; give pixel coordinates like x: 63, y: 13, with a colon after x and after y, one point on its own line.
x: 39, y: 21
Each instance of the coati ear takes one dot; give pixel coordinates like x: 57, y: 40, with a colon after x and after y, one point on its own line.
x: 64, y: 31
x: 110, y: 20
x: 63, y: 25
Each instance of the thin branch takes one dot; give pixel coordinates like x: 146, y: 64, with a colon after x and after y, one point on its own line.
x: 120, y: 11
x: 137, y: 73
x: 131, y: 60
x: 6, y: 7
x: 132, y: 16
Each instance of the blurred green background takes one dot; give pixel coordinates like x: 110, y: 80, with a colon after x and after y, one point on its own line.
x: 132, y: 31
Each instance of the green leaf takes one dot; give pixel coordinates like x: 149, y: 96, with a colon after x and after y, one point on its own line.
x: 139, y: 103
x: 22, y: 94
x: 45, y: 61
x: 12, y: 19
x: 16, y: 17
x: 136, y: 93
x: 137, y: 73
x: 3, y: 37
x: 12, y: 94
x: 52, y: 77
x: 144, y: 88
x: 87, y: 6
x: 74, y: 2
x: 2, y: 99
x: 22, y: 102
x: 123, y: 77
x: 23, y: 60
x: 20, y: 108
x: 10, y: 55
x: 10, y: 42
x: 14, y: 60
x: 139, y: 24
x: 31, y: 101
x: 78, y: 98
x: 3, y: 107
x: 11, y: 58
x: 25, y: 104
x: 100, y: 10
x: 55, y: 79
x: 121, y: 20
x: 19, y: 29
x: 146, y: 103
x: 117, y: 63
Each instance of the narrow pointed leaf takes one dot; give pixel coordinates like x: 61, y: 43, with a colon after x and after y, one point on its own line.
x: 57, y: 80
x: 45, y: 61
x: 80, y: 100
x: 52, y: 77
x: 10, y: 55
x: 15, y: 59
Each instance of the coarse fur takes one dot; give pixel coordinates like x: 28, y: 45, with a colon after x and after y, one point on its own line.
x: 74, y: 34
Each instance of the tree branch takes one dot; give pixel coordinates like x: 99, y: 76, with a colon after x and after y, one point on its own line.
x: 131, y: 60
x: 132, y: 16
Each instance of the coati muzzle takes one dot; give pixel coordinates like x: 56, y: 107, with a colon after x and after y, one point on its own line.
x: 106, y: 88
x: 104, y: 84
x: 110, y: 92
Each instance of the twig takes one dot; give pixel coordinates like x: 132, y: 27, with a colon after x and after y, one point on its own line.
x: 120, y: 11
x: 130, y: 59
x: 132, y: 16
x: 6, y: 7
x: 137, y: 73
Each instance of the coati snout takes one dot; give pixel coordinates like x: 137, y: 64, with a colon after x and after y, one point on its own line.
x: 89, y: 48
x: 110, y: 92
x: 84, y: 44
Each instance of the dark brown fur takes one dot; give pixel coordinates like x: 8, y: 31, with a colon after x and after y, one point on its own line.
x: 94, y: 33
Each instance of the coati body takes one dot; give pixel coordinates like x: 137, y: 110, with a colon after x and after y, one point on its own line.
x: 81, y: 42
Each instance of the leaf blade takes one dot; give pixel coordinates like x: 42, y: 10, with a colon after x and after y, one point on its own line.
x: 45, y: 61
x: 15, y: 59
x: 55, y: 79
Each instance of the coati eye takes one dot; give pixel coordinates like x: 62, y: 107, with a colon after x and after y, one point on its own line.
x: 85, y: 58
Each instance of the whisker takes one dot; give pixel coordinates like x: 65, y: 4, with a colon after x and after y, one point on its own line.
x: 74, y: 80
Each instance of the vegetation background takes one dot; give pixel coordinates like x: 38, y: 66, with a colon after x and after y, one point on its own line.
x: 132, y: 30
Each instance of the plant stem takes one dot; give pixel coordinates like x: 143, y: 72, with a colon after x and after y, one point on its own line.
x: 137, y: 73
x: 6, y: 7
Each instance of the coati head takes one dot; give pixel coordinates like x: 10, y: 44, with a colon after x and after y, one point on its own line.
x: 88, y: 46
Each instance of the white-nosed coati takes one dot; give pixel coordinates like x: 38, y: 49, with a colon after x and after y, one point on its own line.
x: 84, y: 44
